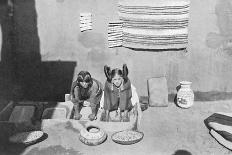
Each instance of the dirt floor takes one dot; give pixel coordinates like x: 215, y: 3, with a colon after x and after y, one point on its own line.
x: 167, y: 131
x: 170, y: 129
x: 175, y: 131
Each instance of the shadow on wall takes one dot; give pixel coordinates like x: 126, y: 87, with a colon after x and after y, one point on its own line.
x: 22, y: 74
x: 222, y: 40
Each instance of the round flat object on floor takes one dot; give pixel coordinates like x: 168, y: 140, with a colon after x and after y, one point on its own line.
x: 127, y: 137
x: 26, y: 137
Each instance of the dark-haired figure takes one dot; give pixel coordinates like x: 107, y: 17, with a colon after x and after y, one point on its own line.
x: 86, y: 91
x: 117, y: 92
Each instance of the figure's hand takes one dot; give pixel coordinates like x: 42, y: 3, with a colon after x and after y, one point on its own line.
x: 100, y: 109
x: 92, y: 117
x: 86, y: 103
x: 73, y: 100
x: 105, y: 116
x: 77, y: 116
x: 125, y: 117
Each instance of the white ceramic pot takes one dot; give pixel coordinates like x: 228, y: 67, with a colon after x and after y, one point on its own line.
x: 185, y: 95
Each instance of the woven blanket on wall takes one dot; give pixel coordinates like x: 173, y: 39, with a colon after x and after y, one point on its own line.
x: 154, y: 24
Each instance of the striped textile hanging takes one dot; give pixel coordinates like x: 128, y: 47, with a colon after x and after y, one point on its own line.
x: 154, y: 24
x: 115, y: 34
x: 85, y: 21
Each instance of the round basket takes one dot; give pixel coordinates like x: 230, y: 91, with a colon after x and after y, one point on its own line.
x: 92, y: 136
x: 28, y: 138
x: 127, y: 137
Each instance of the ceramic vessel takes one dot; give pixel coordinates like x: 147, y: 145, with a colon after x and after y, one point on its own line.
x: 92, y: 135
x: 185, y: 95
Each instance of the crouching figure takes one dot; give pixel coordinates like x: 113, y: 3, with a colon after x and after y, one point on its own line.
x: 86, y: 91
x: 117, y: 92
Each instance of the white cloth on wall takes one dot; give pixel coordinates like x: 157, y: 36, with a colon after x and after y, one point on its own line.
x: 85, y: 21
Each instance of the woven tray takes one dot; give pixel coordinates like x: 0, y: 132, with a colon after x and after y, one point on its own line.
x: 127, y: 141
x: 17, y: 140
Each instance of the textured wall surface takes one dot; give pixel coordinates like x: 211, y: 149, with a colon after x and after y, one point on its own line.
x: 207, y: 63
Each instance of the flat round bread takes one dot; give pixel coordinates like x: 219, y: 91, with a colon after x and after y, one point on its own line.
x: 127, y: 137
x: 26, y: 137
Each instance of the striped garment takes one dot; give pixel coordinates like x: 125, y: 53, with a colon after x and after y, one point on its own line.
x: 156, y: 24
x: 220, y: 126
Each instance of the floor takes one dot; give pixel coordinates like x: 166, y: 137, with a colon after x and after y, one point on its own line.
x: 167, y: 131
